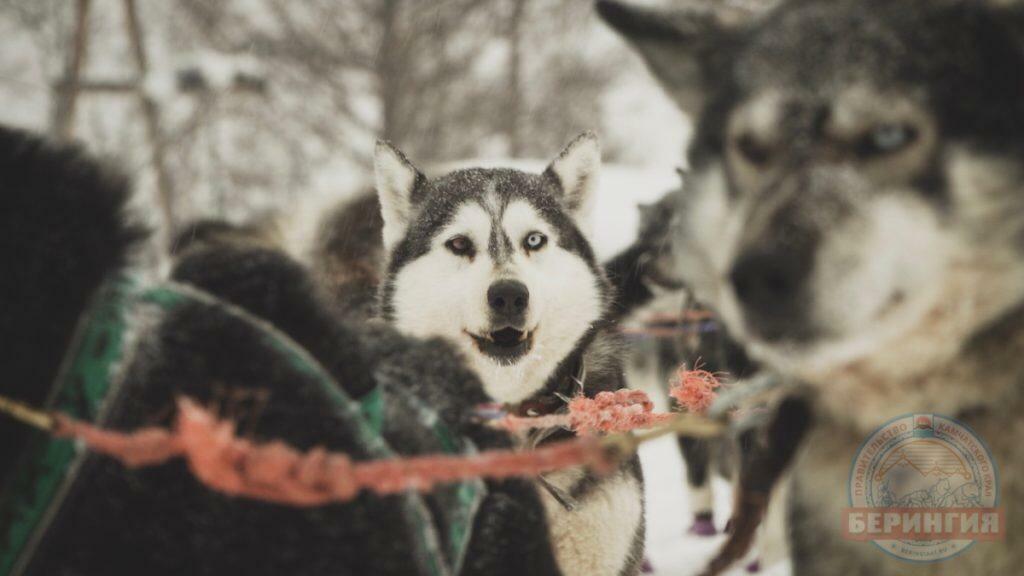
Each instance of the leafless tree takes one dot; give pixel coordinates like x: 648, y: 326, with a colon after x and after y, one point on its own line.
x: 514, y: 90
x: 442, y: 79
x: 413, y: 57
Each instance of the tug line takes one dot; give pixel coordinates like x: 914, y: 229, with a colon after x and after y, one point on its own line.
x: 276, y: 472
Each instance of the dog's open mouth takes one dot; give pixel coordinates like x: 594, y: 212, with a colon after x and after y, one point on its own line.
x: 506, y: 345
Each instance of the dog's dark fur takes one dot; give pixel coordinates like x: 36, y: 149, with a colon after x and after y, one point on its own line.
x: 646, y: 268
x: 66, y: 230
x: 267, y: 283
x: 348, y: 255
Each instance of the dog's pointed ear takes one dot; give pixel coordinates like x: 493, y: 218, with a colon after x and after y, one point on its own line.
x: 576, y: 172
x: 397, y: 184
x: 677, y: 46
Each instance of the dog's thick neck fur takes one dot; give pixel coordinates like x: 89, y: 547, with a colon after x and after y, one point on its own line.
x: 982, y: 379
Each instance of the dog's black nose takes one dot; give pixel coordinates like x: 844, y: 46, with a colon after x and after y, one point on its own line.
x: 771, y: 285
x: 509, y: 300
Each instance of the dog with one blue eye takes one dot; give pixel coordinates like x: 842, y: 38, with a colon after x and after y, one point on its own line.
x: 499, y: 263
x: 853, y: 212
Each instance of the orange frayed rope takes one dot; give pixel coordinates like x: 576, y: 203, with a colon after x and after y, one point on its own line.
x: 609, y: 412
x: 695, y: 390
x: 623, y: 410
x: 276, y: 472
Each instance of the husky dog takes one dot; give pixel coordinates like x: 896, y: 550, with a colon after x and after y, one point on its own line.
x: 644, y: 274
x: 217, y: 231
x: 344, y: 253
x: 497, y: 261
x: 647, y: 283
x: 855, y: 215
x: 348, y: 255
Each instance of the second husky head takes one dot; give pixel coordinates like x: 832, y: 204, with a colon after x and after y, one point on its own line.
x: 496, y: 261
x: 856, y: 201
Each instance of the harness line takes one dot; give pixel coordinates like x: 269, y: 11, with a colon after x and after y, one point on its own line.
x: 275, y: 472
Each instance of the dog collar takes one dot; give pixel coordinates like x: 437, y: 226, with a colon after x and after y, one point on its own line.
x: 557, y: 398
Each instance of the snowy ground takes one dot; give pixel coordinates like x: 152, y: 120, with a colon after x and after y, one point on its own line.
x: 670, y: 549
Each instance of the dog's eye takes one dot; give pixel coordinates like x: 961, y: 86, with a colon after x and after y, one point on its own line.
x: 753, y: 151
x: 888, y: 138
x: 460, y: 246
x: 534, y: 241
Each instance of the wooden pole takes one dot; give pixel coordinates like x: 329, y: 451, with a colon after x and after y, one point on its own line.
x: 151, y: 115
x: 68, y: 89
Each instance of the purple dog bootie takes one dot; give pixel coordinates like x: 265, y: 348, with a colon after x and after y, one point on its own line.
x: 703, y: 524
x: 754, y: 567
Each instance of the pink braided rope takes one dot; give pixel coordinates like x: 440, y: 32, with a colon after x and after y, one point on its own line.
x: 623, y: 410
x: 276, y: 472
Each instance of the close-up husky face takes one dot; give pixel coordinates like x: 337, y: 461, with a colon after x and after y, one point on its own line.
x: 856, y: 202
x: 496, y: 261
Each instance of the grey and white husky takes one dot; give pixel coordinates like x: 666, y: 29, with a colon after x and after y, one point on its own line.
x: 498, y: 262
x: 856, y: 214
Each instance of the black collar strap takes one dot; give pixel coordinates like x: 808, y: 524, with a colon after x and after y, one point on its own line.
x: 555, y: 398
